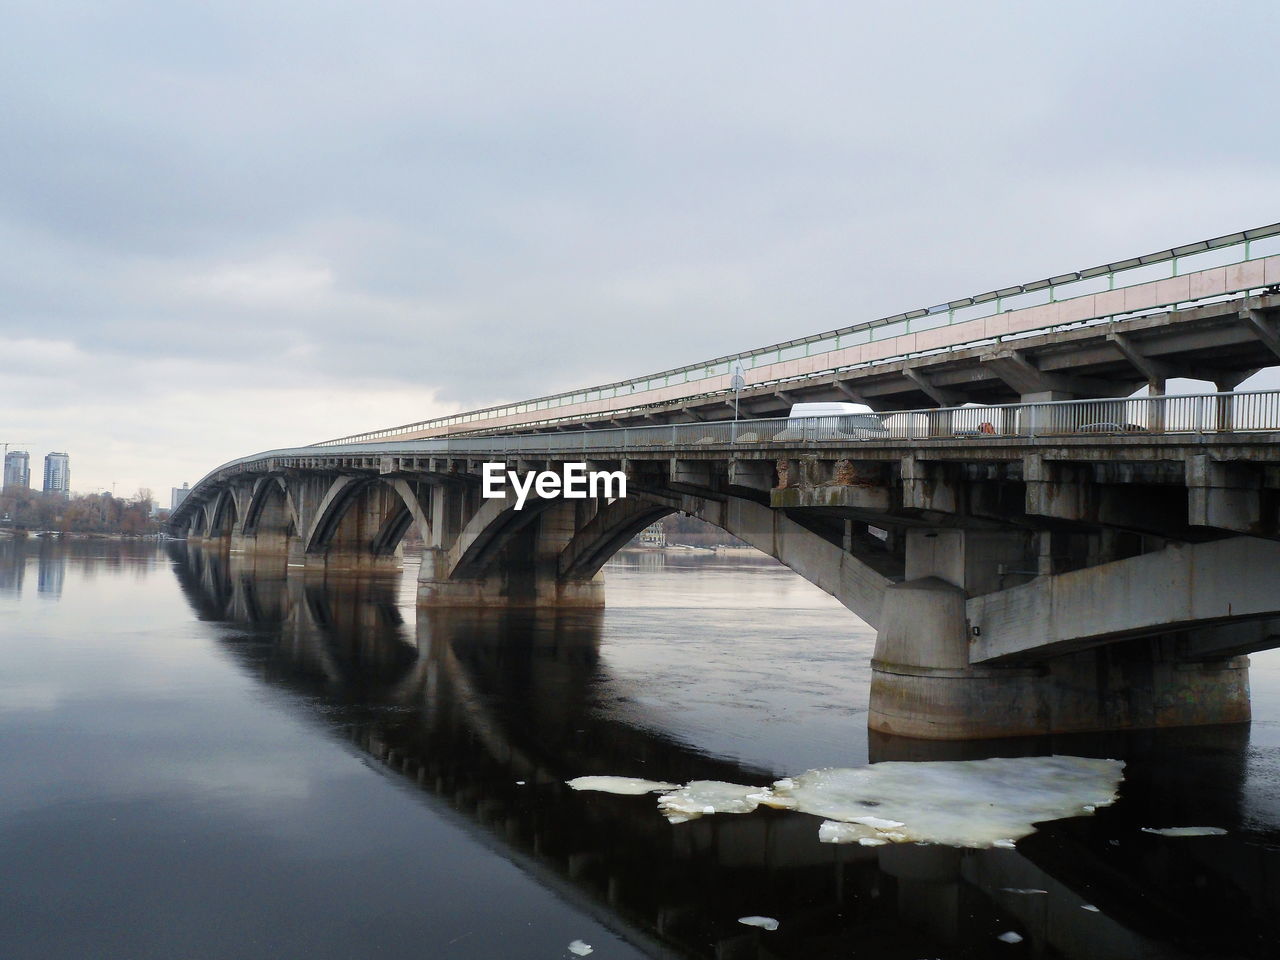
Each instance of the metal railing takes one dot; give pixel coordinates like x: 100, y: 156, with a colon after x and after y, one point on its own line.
x: 1197, y: 417
x: 1178, y: 261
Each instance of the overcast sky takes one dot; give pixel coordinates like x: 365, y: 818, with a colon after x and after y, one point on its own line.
x: 228, y: 226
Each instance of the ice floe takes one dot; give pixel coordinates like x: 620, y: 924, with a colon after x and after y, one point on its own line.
x: 702, y: 797
x: 580, y: 949
x: 764, y: 923
x: 1010, y: 937
x: 834, y: 831
x: 1186, y: 831
x: 626, y: 786
x: 962, y: 803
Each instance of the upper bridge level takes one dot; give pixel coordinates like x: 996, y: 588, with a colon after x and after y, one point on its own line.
x: 1204, y: 310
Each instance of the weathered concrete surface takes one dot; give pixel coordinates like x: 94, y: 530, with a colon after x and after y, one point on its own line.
x: 1172, y: 589
x: 923, y: 684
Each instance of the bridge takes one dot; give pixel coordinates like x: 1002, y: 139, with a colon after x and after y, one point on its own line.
x: 1073, y: 559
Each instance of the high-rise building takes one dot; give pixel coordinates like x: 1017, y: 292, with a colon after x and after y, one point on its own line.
x: 17, y: 469
x: 57, y: 473
x: 177, y: 495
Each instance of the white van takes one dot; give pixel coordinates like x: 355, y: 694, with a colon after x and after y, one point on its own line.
x: 827, y: 409
x: 832, y: 421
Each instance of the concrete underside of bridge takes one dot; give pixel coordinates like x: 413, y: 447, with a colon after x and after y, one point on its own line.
x: 1072, y: 586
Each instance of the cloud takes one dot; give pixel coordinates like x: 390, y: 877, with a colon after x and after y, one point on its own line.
x: 148, y: 422
x: 390, y: 211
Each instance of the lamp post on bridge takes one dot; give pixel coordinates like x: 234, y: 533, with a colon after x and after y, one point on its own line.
x: 738, y: 382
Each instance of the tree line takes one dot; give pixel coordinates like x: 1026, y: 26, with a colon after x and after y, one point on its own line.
x: 32, y: 510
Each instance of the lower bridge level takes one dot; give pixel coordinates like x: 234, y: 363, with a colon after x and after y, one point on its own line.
x: 1018, y: 585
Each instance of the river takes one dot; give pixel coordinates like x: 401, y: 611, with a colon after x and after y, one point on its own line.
x: 199, y: 762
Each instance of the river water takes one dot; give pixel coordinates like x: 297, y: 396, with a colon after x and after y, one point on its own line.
x: 199, y: 762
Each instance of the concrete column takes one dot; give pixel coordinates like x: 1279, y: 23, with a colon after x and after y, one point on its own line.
x: 941, y: 422
x: 1040, y: 421
x: 925, y: 684
x: 922, y: 684
x: 1225, y: 420
x: 1156, y: 409
x: 1227, y: 496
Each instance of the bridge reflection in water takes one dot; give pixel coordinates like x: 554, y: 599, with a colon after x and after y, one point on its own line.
x: 487, y: 712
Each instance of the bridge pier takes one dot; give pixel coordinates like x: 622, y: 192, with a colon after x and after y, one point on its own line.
x: 928, y: 680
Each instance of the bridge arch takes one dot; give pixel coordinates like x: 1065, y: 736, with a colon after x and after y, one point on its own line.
x: 857, y: 579
x: 608, y: 532
x: 362, y: 520
x: 271, y: 508
x: 224, y: 514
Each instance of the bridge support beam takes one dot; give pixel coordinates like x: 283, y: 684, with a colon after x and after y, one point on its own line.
x: 928, y: 681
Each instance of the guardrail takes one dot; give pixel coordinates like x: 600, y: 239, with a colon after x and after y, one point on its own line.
x: 1190, y: 258
x: 1198, y: 417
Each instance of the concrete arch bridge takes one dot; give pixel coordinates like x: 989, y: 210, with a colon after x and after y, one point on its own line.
x: 1029, y: 568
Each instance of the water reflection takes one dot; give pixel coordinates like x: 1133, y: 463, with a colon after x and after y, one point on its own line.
x: 52, y: 555
x: 52, y: 570
x: 12, y: 566
x: 487, y: 713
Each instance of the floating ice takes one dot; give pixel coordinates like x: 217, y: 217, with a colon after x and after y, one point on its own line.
x: 1090, y: 907
x: 963, y: 803
x: 1010, y: 937
x: 764, y: 923
x: 626, y: 786
x: 1027, y: 890
x: 1186, y: 831
x: 834, y: 831
x: 702, y: 797
x: 580, y: 949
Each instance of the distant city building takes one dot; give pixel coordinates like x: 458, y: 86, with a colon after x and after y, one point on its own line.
x: 654, y: 535
x: 178, y: 494
x: 57, y: 473
x: 17, y: 469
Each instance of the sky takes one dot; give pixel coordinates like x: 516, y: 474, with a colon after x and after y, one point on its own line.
x: 228, y: 227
